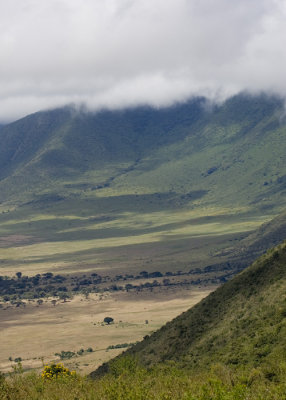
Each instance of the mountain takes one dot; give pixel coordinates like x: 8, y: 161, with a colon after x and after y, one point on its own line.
x: 242, y: 323
x: 233, y: 153
x: 67, y: 146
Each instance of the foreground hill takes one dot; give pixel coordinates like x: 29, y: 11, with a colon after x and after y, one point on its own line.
x: 241, y: 324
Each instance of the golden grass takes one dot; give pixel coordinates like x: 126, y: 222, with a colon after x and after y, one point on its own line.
x: 41, y: 331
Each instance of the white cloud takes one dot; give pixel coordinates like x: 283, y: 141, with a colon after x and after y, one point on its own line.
x: 117, y: 53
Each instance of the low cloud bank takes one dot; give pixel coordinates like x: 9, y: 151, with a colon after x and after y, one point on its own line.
x: 118, y: 53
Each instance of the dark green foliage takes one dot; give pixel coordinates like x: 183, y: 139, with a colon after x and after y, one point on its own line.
x: 108, y: 320
x: 65, y: 354
x: 120, y: 346
x: 89, y: 350
x: 49, y: 285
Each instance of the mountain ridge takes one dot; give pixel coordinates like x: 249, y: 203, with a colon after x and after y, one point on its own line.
x: 182, y: 148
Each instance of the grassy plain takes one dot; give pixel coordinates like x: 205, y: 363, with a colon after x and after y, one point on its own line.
x: 35, y: 333
x: 60, y: 238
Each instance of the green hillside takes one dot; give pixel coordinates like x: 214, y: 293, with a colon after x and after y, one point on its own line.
x: 240, y: 324
x: 243, y: 252
x: 69, y: 150
x: 228, y: 154
x: 268, y: 235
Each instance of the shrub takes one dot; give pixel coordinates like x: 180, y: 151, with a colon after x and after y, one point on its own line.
x: 56, y: 371
x: 108, y: 320
x: 89, y: 350
x: 65, y: 354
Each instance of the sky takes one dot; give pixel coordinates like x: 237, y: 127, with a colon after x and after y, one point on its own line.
x: 121, y: 53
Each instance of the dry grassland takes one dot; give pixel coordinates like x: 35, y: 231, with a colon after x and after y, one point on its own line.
x: 35, y: 333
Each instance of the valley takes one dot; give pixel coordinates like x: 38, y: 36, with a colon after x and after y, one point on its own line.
x: 163, y: 205
x: 142, y: 200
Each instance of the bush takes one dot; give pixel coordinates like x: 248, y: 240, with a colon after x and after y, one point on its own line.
x: 56, y: 371
x: 65, y: 354
x: 108, y: 320
x: 89, y: 350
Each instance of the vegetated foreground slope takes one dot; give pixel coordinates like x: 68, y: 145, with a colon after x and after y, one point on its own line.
x: 241, y: 323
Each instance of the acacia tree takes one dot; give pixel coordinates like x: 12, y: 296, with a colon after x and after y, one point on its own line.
x: 64, y: 297
x: 108, y: 320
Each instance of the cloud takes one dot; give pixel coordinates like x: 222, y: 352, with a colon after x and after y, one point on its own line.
x: 117, y: 53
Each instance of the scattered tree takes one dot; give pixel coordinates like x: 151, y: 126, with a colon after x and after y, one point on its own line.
x: 64, y: 297
x: 108, y: 320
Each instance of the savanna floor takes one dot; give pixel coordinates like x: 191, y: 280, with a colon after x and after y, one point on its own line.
x: 35, y: 333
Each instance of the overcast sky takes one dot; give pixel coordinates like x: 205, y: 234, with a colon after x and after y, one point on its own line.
x: 117, y: 53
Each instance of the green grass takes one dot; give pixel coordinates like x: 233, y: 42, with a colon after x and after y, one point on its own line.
x: 129, y: 381
x: 60, y: 237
